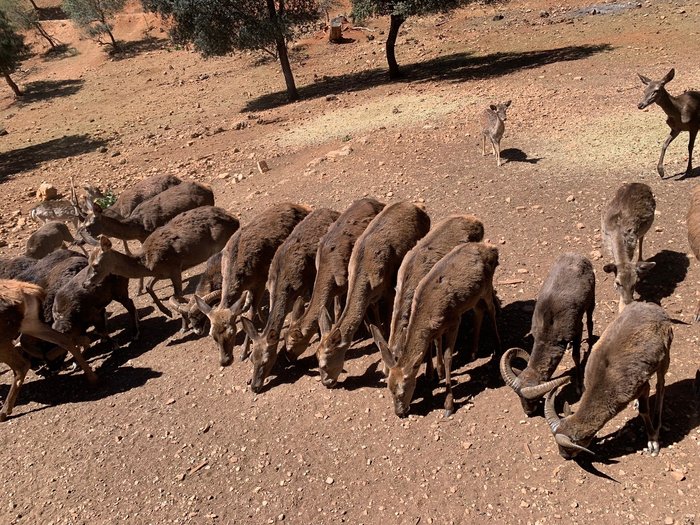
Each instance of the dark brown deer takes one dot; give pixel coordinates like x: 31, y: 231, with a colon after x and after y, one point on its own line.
x: 683, y: 114
x: 332, y: 259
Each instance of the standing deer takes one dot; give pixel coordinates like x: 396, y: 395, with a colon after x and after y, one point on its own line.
x: 332, y: 259
x: 683, y: 114
x: 493, y: 126
x: 374, y: 263
x: 625, y: 221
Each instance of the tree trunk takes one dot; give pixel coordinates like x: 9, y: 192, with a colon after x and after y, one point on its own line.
x: 40, y: 29
x: 115, y: 46
x: 12, y: 85
x: 396, y: 21
x: 36, y: 7
x: 281, y: 44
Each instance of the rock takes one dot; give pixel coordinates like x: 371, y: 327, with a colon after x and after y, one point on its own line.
x: 496, y: 18
x: 330, y: 98
x: 241, y: 124
x: 668, y: 520
x: 46, y: 192
x: 677, y: 475
x: 570, y: 198
x: 329, y: 480
x: 263, y: 167
x: 544, y: 14
x: 3, y: 243
x: 102, y: 149
x: 523, y: 270
x: 3, y: 132
x: 580, y: 225
x: 342, y: 152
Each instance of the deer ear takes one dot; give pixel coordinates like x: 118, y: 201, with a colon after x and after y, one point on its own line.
x: 610, y: 268
x: 202, y: 305
x: 567, y: 409
x: 324, y: 321
x: 644, y: 267
x: 249, y: 328
x: 238, y: 307
x: 669, y: 76
x: 105, y: 243
x: 493, y: 107
x: 507, y: 104
x: 378, y: 337
x: 645, y: 80
x: 387, y: 356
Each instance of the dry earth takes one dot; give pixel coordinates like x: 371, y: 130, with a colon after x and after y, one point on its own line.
x: 169, y: 437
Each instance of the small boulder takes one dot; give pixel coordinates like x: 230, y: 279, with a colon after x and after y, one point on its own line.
x: 46, y: 192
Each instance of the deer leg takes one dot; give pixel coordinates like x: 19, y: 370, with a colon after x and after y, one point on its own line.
x: 589, y: 325
x: 36, y: 328
x: 691, y: 143
x: 643, y: 407
x: 576, y: 355
x: 156, y: 301
x: 20, y: 366
x: 127, y: 303
x: 641, y: 242
x: 660, y: 166
x: 478, y: 321
x: 439, y: 358
x: 498, y: 153
x: 697, y: 312
x: 483, y: 144
x: 449, y: 349
x: 653, y: 444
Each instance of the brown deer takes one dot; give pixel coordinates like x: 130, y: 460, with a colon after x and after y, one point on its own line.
x: 374, y: 262
x: 693, y: 225
x: 48, y: 238
x: 332, y: 259
x: 244, y: 268
x: 625, y: 221
x: 461, y: 281
x: 493, y: 126
x: 289, y: 281
x: 633, y: 348
x: 20, y: 303
x: 683, y: 114
x: 186, y: 241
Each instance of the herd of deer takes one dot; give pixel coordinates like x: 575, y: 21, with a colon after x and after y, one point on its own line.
x: 293, y: 272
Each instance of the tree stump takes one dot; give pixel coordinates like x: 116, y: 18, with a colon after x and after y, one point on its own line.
x: 336, y: 33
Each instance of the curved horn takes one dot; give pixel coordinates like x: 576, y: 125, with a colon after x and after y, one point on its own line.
x: 210, y: 298
x: 507, y: 373
x: 87, y: 237
x: 181, y: 308
x: 533, y: 392
x: 550, y: 413
x: 565, y: 441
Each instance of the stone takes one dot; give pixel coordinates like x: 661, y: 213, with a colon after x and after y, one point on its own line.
x: 46, y: 192
x: 263, y: 167
x: 329, y: 480
x: 570, y: 198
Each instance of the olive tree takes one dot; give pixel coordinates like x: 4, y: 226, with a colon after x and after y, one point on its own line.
x: 24, y: 15
x: 12, y: 50
x: 218, y: 27
x: 93, y: 17
x: 399, y: 11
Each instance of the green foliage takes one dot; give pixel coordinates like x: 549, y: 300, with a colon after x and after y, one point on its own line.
x: 217, y: 27
x: 107, y: 200
x: 12, y: 47
x: 20, y: 14
x: 93, y: 16
x: 362, y: 9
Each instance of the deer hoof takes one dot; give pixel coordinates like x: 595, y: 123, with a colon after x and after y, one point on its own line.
x: 3, y: 417
x: 653, y: 447
x: 660, y: 171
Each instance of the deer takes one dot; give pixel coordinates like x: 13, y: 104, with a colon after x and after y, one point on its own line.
x: 20, y: 303
x: 493, y: 126
x: 186, y: 241
x: 374, y: 263
x: 47, y: 238
x: 331, y: 283
x: 567, y: 294
x: 633, y: 348
x: 682, y: 112
x: 460, y: 281
x: 625, y: 221
x: 244, y: 267
x: 445, y: 235
x: 693, y: 225
x: 210, y: 281
x: 290, y: 280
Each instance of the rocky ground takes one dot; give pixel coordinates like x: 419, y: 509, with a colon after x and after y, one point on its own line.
x: 169, y: 436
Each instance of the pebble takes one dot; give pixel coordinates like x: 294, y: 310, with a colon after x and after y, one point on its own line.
x: 668, y: 520
x: 329, y: 480
x: 570, y: 198
x: 580, y: 225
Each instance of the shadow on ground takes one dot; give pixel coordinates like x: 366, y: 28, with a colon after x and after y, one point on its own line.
x: 29, y: 157
x: 48, y: 89
x: 458, y: 67
x: 662, y: 280
x: 138, y: 47
x: 518, y: 155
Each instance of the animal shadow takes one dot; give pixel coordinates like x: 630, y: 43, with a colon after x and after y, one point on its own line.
x: 518, y: 155
x: 285, y: 372
x: 681, y: 415
x: 662, y: 280
x: 683, y: 176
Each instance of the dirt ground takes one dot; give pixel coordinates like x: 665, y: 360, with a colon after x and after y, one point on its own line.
x: 170, y: 437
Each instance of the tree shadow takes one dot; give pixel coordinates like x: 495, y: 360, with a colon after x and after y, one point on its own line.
x: 138, y: 47
x: 52, y: 13
x: 48, y: 89
x: 458, y: 67
x: 29, y: 157
x: 60, y: 51
x: 518, y: 155
x: 681, y: 416
x: 662, y: 280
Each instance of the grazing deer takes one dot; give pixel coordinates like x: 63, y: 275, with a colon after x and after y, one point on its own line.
x: 20, y: 303
x: 461, y: 281
x: 567, y: 294
x: 493, y: 126
x: 244, y: 268
x: 625, y: 221
x: 634, y: 348
x: 332, y: 259
x: 186, y: 241
x: 683, y: 114
x: 290, y: 280
x: 374, y: 262
x: 48, y: 238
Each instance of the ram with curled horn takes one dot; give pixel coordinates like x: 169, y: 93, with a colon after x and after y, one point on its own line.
x: 635, y: 347
x: 557, y: 324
